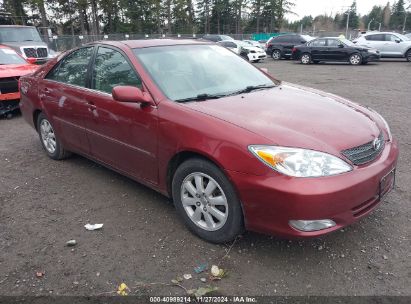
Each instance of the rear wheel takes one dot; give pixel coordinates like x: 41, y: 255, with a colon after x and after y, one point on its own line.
x: 276, y: 54
x: 206, y: 201
x: 408, y: 56
x: 355, y: 59
x: 305, y: 58
x: 49, y: 139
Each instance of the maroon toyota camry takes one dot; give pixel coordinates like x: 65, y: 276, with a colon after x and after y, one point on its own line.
x: 233, y: 147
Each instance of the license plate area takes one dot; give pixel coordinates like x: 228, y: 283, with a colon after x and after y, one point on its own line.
x: 387, y: 183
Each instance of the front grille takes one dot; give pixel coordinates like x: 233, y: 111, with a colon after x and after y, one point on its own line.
x: 365, y: 153
x: 35, y: 53
x: 9, y: 85
x: 42, y: 52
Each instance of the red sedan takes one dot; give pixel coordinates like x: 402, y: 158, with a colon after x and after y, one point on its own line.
x: 12, y: 66
x: 233, y: 147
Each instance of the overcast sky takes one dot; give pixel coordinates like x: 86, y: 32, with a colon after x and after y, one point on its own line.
x: 317, y: 7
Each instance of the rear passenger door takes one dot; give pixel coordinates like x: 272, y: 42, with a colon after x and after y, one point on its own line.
x: 376, y: 41
x: 62, y: 91
x: 318, y: 49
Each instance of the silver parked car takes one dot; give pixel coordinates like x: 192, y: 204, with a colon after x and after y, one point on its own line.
x: 390, y: 45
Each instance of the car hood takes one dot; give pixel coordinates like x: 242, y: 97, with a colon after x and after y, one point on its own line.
x: 16, y: 70
x: 290, y: 115
x: 25, y: 43
x: 253, y: 48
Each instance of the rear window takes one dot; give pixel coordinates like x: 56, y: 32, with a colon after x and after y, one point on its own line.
x: 376, y: 37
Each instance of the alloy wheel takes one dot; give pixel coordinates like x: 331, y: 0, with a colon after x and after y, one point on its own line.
x: 305, y: 59
x: 204, y: 201
x: 276, y: 55
x: 47, y: 136
x: 355, y: 59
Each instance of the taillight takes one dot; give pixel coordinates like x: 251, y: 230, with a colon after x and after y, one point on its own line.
x: 294, y: 50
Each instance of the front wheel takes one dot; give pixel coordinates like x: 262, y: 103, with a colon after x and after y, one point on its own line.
x: 49, y: 139
x: 355, y: 59
x: 276, y: 54
x: 206, y: 201
x: 305, y: 58
x: 408, y: 56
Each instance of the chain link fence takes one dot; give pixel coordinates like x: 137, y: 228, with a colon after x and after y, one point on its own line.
x: 66, y: 42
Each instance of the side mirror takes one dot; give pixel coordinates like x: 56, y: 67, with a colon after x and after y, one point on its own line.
x: 303, y: 41
x: 398, y: 40
x: 31, y: 60
x: 265, y: 70
x: 341, y: 45
x: 130, y: 94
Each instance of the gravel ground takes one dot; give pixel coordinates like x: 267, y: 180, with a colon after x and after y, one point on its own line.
x: 45, y: 203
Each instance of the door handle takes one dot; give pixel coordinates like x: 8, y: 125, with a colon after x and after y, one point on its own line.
x: 91, y: 106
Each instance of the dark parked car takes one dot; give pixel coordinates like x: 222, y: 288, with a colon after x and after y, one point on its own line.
x: 234, y: 148
x: 334, y: 49
x: 281, y: 46
x: 217, y: 38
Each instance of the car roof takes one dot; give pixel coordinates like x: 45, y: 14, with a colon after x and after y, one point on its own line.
x: 133, y: 44
x: 376, y: 33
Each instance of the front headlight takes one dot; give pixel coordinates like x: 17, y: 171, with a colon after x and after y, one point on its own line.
x: 300, y: 162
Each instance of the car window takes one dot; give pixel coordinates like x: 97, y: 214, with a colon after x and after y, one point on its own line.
x: 229, y: 44
x: 73, y: 68
x: 297, y: 39
x: 282, y: 39
x: 376, y: 37
x: 333, y: 42
x: 318, y: 42
x: 111, y: 69
x: 389, y: 37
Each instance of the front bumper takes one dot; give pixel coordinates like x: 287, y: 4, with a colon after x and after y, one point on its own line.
x: 256, y: 56
x: 270, y: 202
x: 371, y: 57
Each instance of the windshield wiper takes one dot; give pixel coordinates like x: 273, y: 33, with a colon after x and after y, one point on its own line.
x: 201, y: 97
x: 253, y: 88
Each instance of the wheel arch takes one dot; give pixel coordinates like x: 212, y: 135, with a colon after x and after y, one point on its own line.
x: 181, y: 157
x: 36, y: 114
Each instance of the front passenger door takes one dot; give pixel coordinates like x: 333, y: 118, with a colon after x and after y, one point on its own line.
x: 122, y: 135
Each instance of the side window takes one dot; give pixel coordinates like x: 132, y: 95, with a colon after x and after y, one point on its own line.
x: 73, y: 68
x: 282, y: 39
x: 377, y: 37
x: 333, y: 42
x: 111, y: 69
x: 318, y: 42
x: 229, y: 44
x: 389, y: 37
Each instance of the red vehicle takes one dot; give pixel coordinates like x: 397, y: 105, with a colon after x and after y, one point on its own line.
x: 231, y: 145
x: 12, y: 66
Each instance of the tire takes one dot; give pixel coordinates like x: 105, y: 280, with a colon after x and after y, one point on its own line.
x: 408, y: 55
x: 355, y: 59
x: 305, y: 58
x: 276, y: 54
x: 257, y: 61
x: 217, y: 223
x: 49, y: 140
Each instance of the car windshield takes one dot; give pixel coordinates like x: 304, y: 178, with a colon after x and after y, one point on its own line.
x: 403, y: 37
x: 224, y: 37
x: 346, y: 42
x: 188, y: 71
x: 19, y: 34
x: 8, y: 56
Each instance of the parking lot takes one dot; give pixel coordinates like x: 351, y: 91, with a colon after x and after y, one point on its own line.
x: 45, y: 203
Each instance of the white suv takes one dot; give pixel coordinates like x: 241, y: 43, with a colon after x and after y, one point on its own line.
x: 392, y: 45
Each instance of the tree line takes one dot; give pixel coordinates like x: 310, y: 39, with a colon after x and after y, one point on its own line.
x: 96, y: 17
